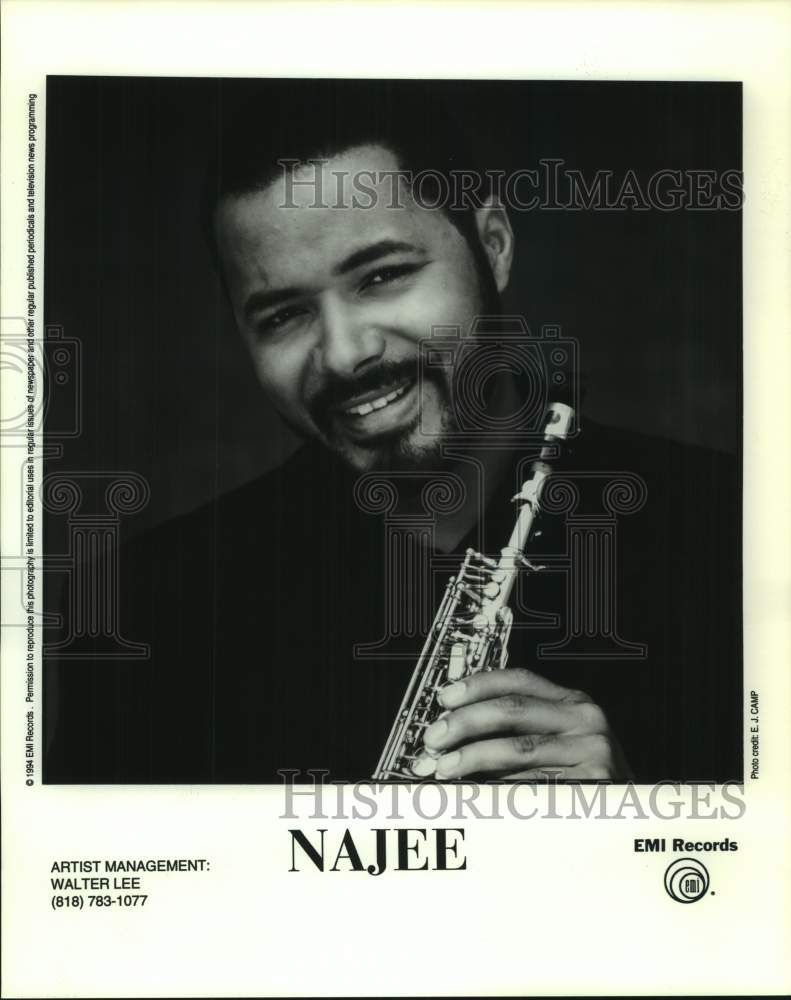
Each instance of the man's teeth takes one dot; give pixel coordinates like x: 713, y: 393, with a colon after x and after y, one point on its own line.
x: 376, y: 404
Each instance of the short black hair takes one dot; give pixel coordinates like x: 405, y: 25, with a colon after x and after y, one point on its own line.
x: 261, y: 122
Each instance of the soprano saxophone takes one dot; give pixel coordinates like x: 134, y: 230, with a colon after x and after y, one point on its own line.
x: 471, y: 629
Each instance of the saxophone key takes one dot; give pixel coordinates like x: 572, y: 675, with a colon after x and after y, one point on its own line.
x: 424, y: 764
x: 457, y: 661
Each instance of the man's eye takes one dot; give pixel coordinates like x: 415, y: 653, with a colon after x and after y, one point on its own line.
x: 389, y: 275
x: 281, y: 318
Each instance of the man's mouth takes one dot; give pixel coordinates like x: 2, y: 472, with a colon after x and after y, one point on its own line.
x: 371, y: 401
x: 379, y: 412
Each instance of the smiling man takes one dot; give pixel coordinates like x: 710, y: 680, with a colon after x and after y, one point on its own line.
x: 270, y: 613
x: 334, y: 300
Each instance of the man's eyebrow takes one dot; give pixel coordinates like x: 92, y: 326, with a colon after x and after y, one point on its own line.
x: 375, y: 251
x: 259, y: 301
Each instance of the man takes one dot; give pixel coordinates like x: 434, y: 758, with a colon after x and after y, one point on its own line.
x: 337, y: 269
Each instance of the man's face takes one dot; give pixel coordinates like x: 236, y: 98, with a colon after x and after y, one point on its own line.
x: 333, y: 303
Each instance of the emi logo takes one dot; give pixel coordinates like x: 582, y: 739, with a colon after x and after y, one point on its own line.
x: 686, y: 880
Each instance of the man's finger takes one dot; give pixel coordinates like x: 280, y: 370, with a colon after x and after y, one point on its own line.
x: 520, y: 753
x: 579, y: 772
x: 493, y: 683
x: 513, y: 714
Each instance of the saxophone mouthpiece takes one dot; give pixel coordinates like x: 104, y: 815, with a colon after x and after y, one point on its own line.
x: 559, y: 420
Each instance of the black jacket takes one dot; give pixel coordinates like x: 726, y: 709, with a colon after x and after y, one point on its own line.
x: 254, y: 605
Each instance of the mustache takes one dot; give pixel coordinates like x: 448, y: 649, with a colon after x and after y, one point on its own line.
x: 337, y: 391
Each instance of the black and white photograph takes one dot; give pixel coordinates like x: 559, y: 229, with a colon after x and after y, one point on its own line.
x: 316, y: 329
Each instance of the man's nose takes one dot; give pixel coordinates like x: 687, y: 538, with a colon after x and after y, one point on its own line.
x: 348, y: 341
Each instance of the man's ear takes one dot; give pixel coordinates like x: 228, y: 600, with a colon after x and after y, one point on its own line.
x: 497, y: 239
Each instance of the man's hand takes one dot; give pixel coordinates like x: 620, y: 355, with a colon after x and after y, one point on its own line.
x: 514, y: 724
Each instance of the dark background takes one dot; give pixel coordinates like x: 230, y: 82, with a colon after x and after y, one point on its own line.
x: 654, y: 298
